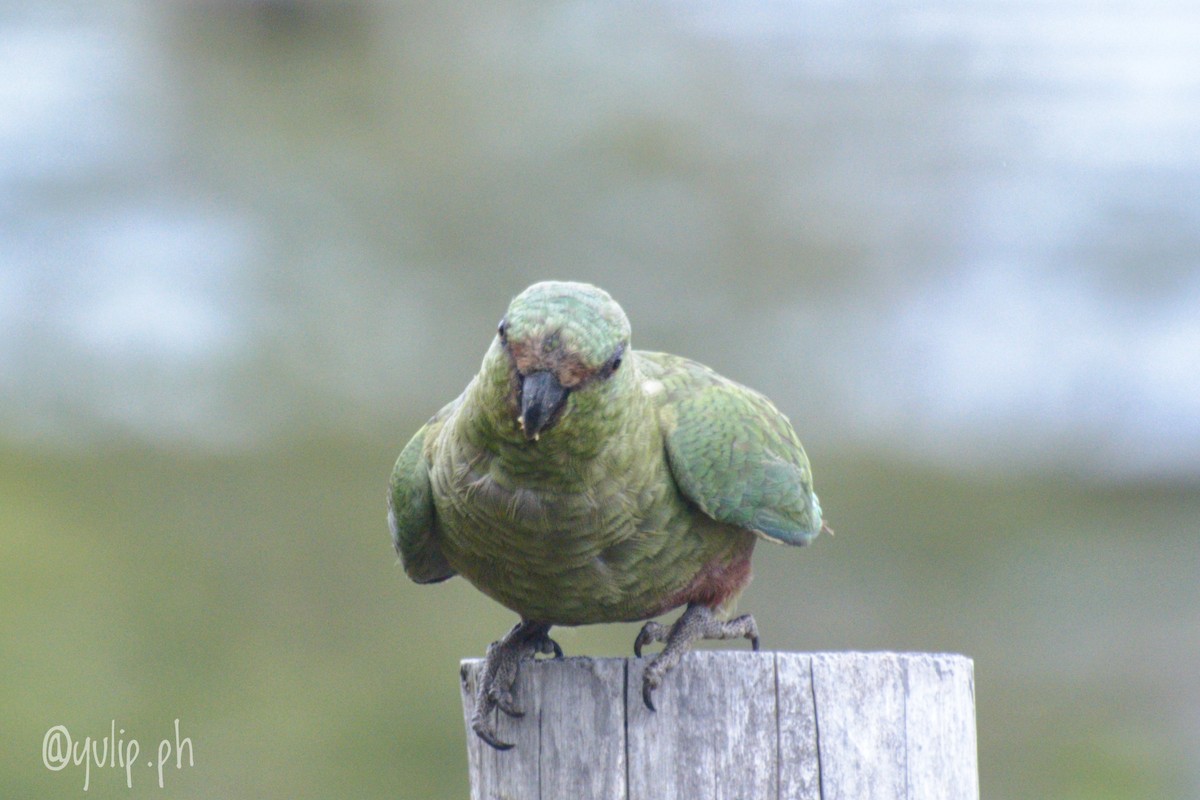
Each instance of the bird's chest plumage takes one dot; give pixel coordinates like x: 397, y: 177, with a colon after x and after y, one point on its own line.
x: 602, y: 541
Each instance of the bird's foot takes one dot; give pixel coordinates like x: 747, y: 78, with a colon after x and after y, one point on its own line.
x: 697, y: 622
x: 500, y: 668
x: 650, y: 633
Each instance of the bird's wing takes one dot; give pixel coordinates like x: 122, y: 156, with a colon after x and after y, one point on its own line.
x: 411, y: 514
x: 731, y: 451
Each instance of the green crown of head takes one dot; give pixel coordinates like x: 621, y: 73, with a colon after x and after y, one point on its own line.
x: 577, y: 317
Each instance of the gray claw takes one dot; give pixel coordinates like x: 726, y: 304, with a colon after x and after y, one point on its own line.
x: 499, y: 676
x: 696, y: 622
x: 548, y: 646
x: 484, y: 731
x: 651, y: 680
x: 650, y: 633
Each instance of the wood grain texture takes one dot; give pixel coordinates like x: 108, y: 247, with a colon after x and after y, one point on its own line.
x: 571, y: 741
x: 715, y: 718
x: 799, y: 767
x: 736, y: 724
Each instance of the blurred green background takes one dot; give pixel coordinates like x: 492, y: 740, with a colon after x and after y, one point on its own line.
x: 246, y: 248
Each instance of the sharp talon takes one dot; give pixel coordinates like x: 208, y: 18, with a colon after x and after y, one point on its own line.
x: 485, y: 733
x: 646, y: 697
x: 496, y: 685
x: 651, y: 632
x: 545, y: 646
x: 651, y: 679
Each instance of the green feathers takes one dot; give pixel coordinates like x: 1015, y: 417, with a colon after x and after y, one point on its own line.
x: 577, y: 481
x: 571, y: 318
x: 732, y: 453
x: 411, y: 511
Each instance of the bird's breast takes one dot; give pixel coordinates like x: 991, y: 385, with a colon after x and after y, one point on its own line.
x: 598, y: 550
x: 569, y: 540
x: 486, y: 509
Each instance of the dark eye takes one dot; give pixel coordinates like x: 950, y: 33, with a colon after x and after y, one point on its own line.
x: 502, y: 331
x: 614, y: 362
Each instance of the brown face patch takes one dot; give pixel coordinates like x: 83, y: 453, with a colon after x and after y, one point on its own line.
x: 547, y: 353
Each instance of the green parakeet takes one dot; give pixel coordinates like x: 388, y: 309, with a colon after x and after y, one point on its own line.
x: 576, y: 480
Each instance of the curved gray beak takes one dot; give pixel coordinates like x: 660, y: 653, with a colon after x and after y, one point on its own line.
x: 542, y: 400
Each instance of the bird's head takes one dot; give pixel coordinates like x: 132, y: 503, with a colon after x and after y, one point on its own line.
x: 564, y: 343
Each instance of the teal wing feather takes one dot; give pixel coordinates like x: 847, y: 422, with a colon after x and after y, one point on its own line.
x: 731, y: 451
x: 411, y: 514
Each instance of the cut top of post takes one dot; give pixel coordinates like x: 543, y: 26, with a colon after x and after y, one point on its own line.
x: 736, y: 724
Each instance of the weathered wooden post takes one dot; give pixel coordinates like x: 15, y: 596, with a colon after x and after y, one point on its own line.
x: 736, y: 724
